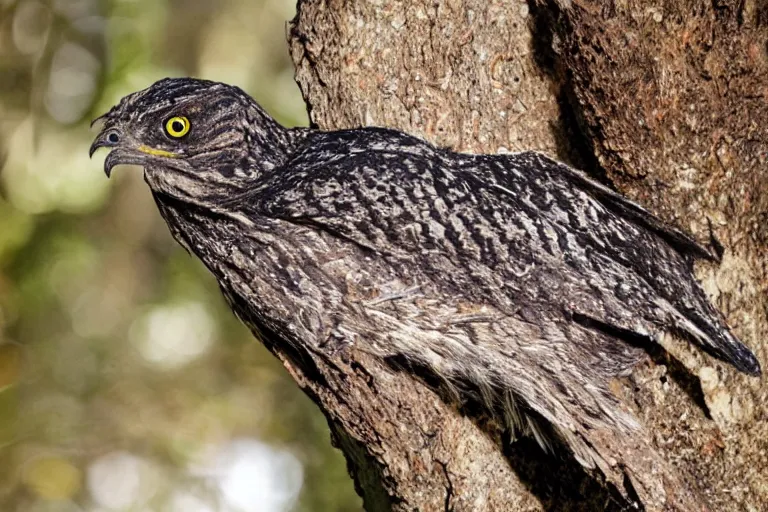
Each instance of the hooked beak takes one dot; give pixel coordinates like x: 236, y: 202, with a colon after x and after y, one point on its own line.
x: 108, y: 137
x: 102, y: 137
x: 98, y: 143
x: 111, y: 137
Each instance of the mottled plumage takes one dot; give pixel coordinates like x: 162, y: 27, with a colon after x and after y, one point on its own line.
x: 514, y: 279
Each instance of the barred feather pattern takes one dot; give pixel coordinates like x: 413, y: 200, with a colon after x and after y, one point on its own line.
x: 514, y: 279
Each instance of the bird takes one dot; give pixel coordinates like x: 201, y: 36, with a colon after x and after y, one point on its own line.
x: 519, y: 282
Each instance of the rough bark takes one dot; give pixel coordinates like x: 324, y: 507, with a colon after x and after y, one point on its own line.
x: 665, y: 100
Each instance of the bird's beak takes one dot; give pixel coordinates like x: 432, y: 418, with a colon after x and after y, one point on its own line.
x: 108, y: 137
x: 98, y: 143
x: 109, y: 162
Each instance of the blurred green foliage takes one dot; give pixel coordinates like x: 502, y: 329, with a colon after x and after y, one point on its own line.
x: 125, y: 381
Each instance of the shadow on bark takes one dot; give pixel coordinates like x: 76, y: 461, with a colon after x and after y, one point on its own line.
x: 557, y: 480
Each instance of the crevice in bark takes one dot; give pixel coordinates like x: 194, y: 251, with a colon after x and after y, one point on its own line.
x: 560, y: 481
x: 573, y: 144
x: 367, y: 477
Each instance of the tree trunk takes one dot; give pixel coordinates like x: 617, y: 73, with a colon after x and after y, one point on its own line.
x: 666, y: 101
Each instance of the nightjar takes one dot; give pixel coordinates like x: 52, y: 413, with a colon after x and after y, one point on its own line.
x: 513, y: 278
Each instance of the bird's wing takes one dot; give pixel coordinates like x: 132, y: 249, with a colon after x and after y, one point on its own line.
x: 522, y: 231
x: 638, y: 245
x: 622, y: 206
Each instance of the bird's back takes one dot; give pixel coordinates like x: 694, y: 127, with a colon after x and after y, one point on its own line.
x: 517, y: 231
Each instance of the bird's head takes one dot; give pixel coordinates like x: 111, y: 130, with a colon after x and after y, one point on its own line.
x: 194, y: 138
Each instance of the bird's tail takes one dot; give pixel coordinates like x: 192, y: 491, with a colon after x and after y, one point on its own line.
x: 709, y: 330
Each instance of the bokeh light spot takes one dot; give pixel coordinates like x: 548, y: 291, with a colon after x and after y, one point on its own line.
x: 52, y: 478
x: 171, y: 336
x: 120, y: 480
x: 30, y: 27
x: 44, y: 172
x: 72, y: 83
x: 255, y: 477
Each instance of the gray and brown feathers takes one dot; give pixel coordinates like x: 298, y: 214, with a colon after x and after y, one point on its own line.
x: 514, y: 279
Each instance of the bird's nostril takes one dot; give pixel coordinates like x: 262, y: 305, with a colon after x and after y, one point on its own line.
x: 113, y: 138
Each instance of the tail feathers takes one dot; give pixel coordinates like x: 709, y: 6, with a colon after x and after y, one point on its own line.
x: 712, y: 335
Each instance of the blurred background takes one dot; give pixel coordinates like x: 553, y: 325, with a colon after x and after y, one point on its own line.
x: 125, y: 382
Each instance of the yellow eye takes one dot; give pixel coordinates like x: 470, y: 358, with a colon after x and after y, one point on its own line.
x: 177, y: 126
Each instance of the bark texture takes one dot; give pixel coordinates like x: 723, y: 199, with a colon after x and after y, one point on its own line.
x: 665, y: 100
